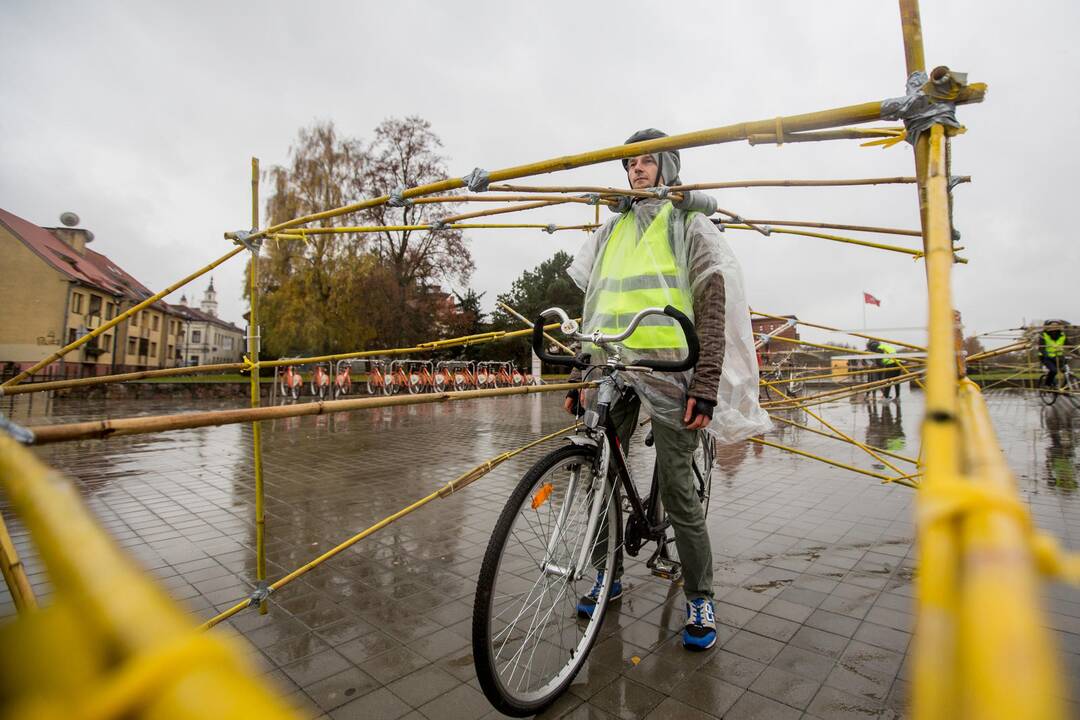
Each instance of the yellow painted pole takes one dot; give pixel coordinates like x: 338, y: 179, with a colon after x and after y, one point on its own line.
x: 254, y: 345
x: 883, y: 451
x: 458, y: 483
x: 120, y: 318
x: 121, y: 377
x: 15, y: 573
x: 1009, y: 668
x: 834, y: 238
x: 838, y: 226
x: 835, y: 463
x: 818, y: 120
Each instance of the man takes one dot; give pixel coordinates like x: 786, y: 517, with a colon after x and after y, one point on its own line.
x: 886, y: 362
x: 1052, y: 349
x: 657, y: 253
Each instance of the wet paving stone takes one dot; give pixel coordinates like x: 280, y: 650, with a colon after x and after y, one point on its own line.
x: 814, y: 567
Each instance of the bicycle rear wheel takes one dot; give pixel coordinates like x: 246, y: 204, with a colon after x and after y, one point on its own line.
x: 1049, y: 394
x: 1071, y: 388
x: 704, y: 459
x: 528, y: 641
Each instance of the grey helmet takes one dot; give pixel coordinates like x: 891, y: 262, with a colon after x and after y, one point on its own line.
x: 669, y: 161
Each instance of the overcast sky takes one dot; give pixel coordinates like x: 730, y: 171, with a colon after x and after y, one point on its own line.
x: 142, y: 116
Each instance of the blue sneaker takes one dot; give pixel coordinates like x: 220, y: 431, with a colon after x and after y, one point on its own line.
x: 587, y: 603
x: 700, y: 630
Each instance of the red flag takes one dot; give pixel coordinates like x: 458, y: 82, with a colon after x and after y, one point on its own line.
x: 870, y: 299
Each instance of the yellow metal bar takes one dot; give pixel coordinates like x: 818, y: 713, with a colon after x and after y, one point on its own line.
x: 15, y: 573
x: 121, y: 377
x: 120, y: 318
x: 254, y: 343
x: 45, y: 434
x: 838, y: 226
x: 458, y: 483
x: 836, y: 238
x: 1008, y: 658
x: 117, y: 621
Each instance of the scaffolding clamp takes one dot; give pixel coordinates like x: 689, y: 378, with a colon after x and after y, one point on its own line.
x: 243, y: 237
x: 478, y: 180
x: 397, y: 198
x: 18, y: 432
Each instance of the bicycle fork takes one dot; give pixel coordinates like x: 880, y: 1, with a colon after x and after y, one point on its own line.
x: 577, y: 566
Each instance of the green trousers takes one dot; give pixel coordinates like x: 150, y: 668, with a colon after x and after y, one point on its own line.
x: 678, y: 492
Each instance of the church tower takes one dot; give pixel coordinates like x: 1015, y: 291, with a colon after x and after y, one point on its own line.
x: 209, y: 301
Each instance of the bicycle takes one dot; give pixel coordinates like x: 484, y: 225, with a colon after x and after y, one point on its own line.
x: 529, y: 641
x: 1065, y: 383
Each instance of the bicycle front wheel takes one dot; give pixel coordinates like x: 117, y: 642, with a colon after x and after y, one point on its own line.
x: 545, y: 552
x: 1071, y: 388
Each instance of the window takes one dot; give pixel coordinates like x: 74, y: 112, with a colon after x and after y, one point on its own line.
x: 76, y: 303
x: 228, y: 343
x: 95, y: 305
x: 135, y: 320
x: 71, y: 336
x: 153, y: 349
x: 169, y: 352
x: 194, y: 360
x: 110, y: 310
x: 196, y: 336
x: 131, y: 346
x: 106, y: 342
x: 144, y: 346
x: 155, y: 323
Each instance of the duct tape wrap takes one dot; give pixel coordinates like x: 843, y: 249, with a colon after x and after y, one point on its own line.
x: 695, y: 201
x: 16, y: 431
x: 925, y: 103
x: 551, y: 228
x: 593, y: 198
x: 477, y: 180
x: 438, y: 225
x: 622, y: 205
x: 397, y: 199
x: 242, y: 237
x: 661, y: 191
x: 260, y: 593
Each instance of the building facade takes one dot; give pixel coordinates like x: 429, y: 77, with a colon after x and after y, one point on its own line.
x: 56, y: 289
x: 206, y: 339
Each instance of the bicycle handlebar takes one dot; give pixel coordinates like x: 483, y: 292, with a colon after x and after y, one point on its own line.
x: 569, y: 327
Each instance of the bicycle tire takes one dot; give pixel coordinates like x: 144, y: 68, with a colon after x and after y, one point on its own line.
x: 703, y: 462
x: 509, y: 564
x: 1049, y: 395
x: 1071, y: 388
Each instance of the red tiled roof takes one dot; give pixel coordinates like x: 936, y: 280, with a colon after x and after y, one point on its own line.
x: 190, y: 313
x: 59, y: 254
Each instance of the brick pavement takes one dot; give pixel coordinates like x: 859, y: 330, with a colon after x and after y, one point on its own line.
x: 814, y: 565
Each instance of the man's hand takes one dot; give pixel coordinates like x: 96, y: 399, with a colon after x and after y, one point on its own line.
x: 698, y: 413
x: 572, y: 403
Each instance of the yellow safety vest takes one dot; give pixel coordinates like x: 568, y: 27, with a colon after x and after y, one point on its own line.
x: 1054, y: 348
x: 887, y: 348
x: 637, y: 274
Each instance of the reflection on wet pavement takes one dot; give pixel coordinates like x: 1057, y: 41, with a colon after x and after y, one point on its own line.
x: 814, y: 565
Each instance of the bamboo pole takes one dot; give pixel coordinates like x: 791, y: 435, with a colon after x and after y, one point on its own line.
x: 837, y: 394
x: 120, y: 318
x: 121, y: 616
x: 502, y: 210
x: 526, y: 320
x: 731, y: 184
x: 1009, y: 671
x: 834, y: 329
x: 881, y: 450
x: 497, y: 197
x: 840, y: 134
x: 120, y: 377
x: 301, y: 233
x: 839, y: 226
x: 254, y: 346
x: 119, y: 427
x: 835, y: 238
x: 458, y: 483
x: 22, y: 594
x: 906, y: 481
x: 818, y: 120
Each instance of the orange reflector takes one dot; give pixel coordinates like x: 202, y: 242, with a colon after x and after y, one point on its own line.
x: 541, y: 495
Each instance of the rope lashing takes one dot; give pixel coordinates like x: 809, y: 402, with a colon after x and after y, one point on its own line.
x: 478, y: 180
x: 397, y: 198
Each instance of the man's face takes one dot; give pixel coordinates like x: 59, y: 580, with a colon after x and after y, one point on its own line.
x: 642, y: 171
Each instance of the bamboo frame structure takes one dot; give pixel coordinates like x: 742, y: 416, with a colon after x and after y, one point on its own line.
x: 977, y: 605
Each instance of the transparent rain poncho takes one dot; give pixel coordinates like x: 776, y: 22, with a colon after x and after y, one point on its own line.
x: 700, y: 253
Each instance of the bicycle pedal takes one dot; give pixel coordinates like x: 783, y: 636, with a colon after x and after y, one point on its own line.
x: 666, y: 569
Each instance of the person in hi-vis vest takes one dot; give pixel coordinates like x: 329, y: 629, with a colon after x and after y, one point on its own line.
x: 1052, y: 350
x: 654, y: 253
x: 891, y: 365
